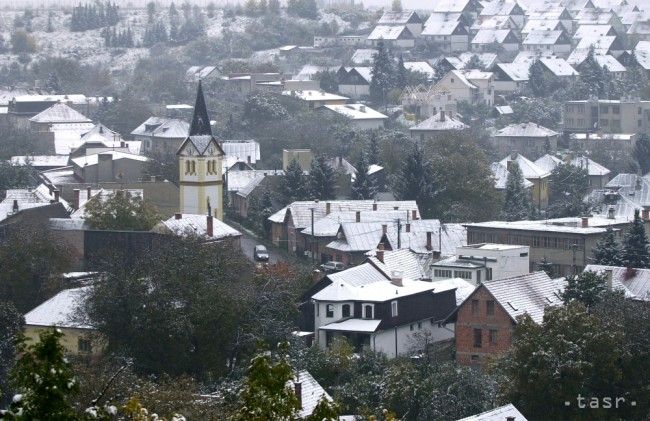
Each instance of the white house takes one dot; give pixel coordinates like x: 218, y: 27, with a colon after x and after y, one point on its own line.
x: 476, y: 263
x: 447, y: 31
x: 361, y: 116
x: 494, y: 39
x: 394, y: 36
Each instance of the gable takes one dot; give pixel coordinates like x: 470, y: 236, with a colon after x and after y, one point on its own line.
x: 200, y: 146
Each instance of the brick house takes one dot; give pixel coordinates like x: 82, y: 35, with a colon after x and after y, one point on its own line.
x: 485, y: 321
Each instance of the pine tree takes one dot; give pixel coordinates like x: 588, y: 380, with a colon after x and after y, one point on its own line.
x: 568, y: 186
x: 516, y: 204
x: 11, y: 325
x: 321, y: 179
x: 607, y: 251
x: 151, y: 11
x: 382, y: 74
x: 294, y: 183
x: 537, y: 78
x: 52, y: 84
x: 363, y: 186
x: 50, y: 26
x: 396, y: 6
x: 642, y: 153
x: 592, y: 75
x: 635, y: 243
x: 415, y: 181
x: 441, y: 68
x: 401, y: 74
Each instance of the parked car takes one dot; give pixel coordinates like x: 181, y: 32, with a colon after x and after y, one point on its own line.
x: 330, y: 267
x: 260, y: 253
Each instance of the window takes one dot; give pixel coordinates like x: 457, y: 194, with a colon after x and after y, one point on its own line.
x: 478, y: 339
x: 419, y: 325
x: 474, y: 306
x: 345, y: 311
x: 442, y: 273
x: 84, y: 345
x: 616, y: 109
x: 393, y: 308
x: 452, y: 81
x: 490, y: 307
x: 474, y: 358
x: 367, y: 311
x: 488, y: 274
x: 493, y: 336
x: 638, y: 123
x: 465, y: 274
x: 411, y: 327
x: 329, y: 311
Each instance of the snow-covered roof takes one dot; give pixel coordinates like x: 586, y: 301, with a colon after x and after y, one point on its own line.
x: 642, y: 54
x: 356, y: 112
x: 242, y: 149
x: 500, y: 173
x: 541, y: 25
x: 525, y: 130
x: 313, y: 95
x: 39, y: 161
x: 526, y: 294
x: 59, y: 113
x: 60, y: 310
x: 420, y: 67
x: 543, y: 37
x: 353, y: 325
x: 528, y: 167
x: 391, y: 17
x: 634, y: 282
x: 379, y: 291
x: 67, y: 137
x: 516, y: 71
x: 191, y: 224
x: 389, y: 32
x: 548, y: 162
x: 457, y: 6
x: 440, y: 28
x: 489, y: 36
x: 28, y: 199
x: 170, y: 128
x: 559, y: 67
x: 437, y: 18
x: 592, y: 31
x: 506, y: 412
x: 571, y: 225
x: 93, y: 159
x: 330, y: 224
x: 500, y: 8
x: 405, y: 260
x: 601, y: 44
x: 363, y: 55
x: 439, y: 122
x: 311, y: 392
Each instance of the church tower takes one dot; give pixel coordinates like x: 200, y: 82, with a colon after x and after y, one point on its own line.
x: 200, y: 162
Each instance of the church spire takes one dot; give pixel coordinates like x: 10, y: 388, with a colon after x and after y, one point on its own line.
x: 200, y: 120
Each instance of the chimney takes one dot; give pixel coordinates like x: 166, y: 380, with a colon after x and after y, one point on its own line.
x: 610, y: 212
x: 75, y: 202
x: 384, y: 228
x: 374, y: 206
x: 178, y: 216
x: 88, y: 193
x: 57, y: 194
x: 414, y: 214
x: 608, y: 279
x: 210, y: 228
x: 585, y: 222
x: 380, y: 252
x: 358, y: 216
x: 396, y: 278
x: 429, y: 234
x: 408, y: 227
x: 15, y: 206
x: 297, y: 387
x: 328, y: 208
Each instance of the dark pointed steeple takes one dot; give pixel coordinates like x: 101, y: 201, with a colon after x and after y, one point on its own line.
x: 200, y: 120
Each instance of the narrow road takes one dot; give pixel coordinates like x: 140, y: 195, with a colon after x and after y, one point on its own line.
x: 249, y: 240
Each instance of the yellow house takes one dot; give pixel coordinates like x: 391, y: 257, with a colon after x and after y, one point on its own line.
x: 533, y: 173
x: 61, y: 311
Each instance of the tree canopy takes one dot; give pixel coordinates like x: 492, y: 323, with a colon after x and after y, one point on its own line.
x: 121, y: 211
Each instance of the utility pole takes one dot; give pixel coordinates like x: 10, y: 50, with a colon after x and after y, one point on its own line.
x: 313, y: 258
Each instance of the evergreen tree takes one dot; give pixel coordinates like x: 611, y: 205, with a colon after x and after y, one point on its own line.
x: 11, y: 325
x: 151, y: 11
x: 401, y: 74
x: 373, y: 149
x: 294, y: 183
x: 266, y: 210
x: 121, y: 211
x: 363, y: 186
x: 537, y: 78
x: 52, y: 83
x: 441, y: 68
x: 607, y: 251
x: 568, y: 186
x: 415, y: 181
x: 50, y: 26
x: 635, y: 243
x: 474, y: 63
x: 44, y: 380
x: 382, y: 74
x: 642, y: 153
x: 592, y: 75
x: 516, y: 204
x: 321, y: 179
x: 396, y: 6
x: 587, y: 288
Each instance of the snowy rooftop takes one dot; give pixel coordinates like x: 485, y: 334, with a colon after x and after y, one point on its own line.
x: 93, y: 159
x: 571, y: 225
x: 59, y: 310
x: 506, y: 412
x: 27, y: 199
x: 312, y: 95
x: 311, y: 392
x: 389, y: 32
x: 38, y: 161
x: 356, y: 112
x: 501, y: 173
x: 190, y: 224
x: 634, y: 282
x: 60, y: 113
x: 525, y: 130
x: 439, y: 121
x: 527, y: 167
